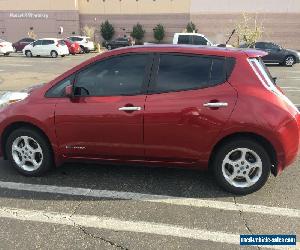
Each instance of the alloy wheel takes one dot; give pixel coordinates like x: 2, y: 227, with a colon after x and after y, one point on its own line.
x: 27, y: 153
x: 289, y: 61
x: 242, y: 167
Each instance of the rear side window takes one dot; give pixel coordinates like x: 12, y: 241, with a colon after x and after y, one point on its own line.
x: 184, y: 72
x: 61, y: 42
x: 183, y: 39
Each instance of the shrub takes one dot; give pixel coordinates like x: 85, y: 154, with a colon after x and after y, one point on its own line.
x: 138, y: 33
x: 107, y: 30
x: 191, y: 27
x: 159, y: 32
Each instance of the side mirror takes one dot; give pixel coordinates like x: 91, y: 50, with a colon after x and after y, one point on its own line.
x: 69, y: 91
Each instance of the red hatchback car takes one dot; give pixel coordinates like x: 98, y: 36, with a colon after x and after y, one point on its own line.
x: 182, y: 106
x: 74, y: 48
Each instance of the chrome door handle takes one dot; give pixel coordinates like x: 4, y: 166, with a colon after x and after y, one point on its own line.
x: 215, y: 104
x: 130, y: 109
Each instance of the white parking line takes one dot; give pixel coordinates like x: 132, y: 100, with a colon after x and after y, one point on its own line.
x: 18, y: 65
x: 118, y: 225
x: 180, y: 201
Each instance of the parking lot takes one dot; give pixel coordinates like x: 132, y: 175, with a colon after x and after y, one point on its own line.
x: 85, y: 206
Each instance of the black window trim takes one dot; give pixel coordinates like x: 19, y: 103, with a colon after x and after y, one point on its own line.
x: 144, y: 87
x: 155, y: 72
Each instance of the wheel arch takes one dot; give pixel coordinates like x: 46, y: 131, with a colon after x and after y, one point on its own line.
x: 266, y: 144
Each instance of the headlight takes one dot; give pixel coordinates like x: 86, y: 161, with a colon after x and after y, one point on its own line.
x: 11, y: 97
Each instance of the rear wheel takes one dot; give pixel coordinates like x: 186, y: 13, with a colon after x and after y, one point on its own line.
x: 6, y: 54
x: 29, y: 152
x: 289, y: 61
x: 241, y: 166
x: 82, y: 50
x: 28, y: 53
x: 53, y: 54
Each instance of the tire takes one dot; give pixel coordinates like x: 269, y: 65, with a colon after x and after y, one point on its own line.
x: 6, y: 54
x: 22, y: 156
x: 63, y: 55
x: 82, y: 50
x: 53, y: 54
x: 228, y: 162
x: 289, y: 61
x: 28, y: 53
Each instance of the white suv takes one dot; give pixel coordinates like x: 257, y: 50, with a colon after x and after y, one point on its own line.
x: 84, y: 42
x: 6, y: 47
x: 46, y: 47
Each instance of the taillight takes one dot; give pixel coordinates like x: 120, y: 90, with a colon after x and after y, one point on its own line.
x: 1, y: 45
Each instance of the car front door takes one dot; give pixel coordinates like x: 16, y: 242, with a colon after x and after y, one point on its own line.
x: 181, y: 119
x: 274, y: 53
x: 105, y: 117
x: 37, y: 47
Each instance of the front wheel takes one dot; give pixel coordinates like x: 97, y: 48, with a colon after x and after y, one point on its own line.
x: 241, y: 166
x: 28, y: 53
x: 29, y: 152
x: 289, y: 61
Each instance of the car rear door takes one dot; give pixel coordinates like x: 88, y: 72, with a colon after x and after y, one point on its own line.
x: 105, y: 118
x: 188, y: 104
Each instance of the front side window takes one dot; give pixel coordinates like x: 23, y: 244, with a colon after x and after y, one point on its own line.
x: 272, y: 46
x: 47, y: 42
x: 59, y: 89
x: 184, y: 72
x: 38, y: 42
x: 122, y: 75
x: 199, y: 40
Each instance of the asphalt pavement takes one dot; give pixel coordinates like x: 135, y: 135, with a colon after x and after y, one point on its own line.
x: 88, y: 206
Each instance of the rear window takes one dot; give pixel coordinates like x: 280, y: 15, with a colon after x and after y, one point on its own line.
x: 185, y: 72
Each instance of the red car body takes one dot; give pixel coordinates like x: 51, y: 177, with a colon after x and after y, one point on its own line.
x: 171, y: 129
x: 74, y: 48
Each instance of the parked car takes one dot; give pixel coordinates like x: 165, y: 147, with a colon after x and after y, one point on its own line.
x: 84, y: 42
x: 46, y: 47
x: 277, y: 54
x: 118, y: 43
x: 6, y: 47
x: 191, y: 38
x: 19, y: 46
x: 73, y: 47
x: 182, y: 106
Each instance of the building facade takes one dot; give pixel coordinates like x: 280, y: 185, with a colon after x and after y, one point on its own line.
x: 216, y: 19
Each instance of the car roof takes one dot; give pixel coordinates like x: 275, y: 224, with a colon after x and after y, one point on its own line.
x: 49, y: 39
x: 193, y: 49
x: 190, y: 34
x: 80, y: 36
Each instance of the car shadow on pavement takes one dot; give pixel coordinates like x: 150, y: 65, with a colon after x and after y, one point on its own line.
x: 137, y: 179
